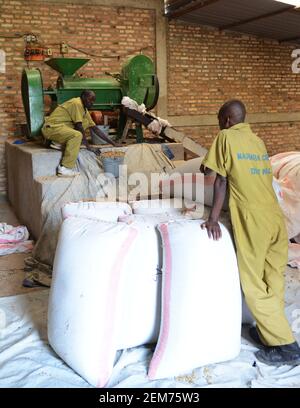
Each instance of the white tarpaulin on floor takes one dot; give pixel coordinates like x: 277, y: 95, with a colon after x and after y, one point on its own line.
x: 26, y: 359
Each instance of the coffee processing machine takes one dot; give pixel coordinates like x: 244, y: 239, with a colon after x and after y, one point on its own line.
x: 137, y: 80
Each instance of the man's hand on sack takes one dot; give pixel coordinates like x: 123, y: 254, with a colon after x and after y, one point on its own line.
x: 213, y: 229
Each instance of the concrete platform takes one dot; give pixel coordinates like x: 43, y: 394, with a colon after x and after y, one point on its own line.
x: 27, y: 165
x: 31, y: 168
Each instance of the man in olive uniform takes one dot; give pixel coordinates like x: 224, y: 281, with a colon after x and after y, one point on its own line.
x: 239, y: 157
x: 66, y: 125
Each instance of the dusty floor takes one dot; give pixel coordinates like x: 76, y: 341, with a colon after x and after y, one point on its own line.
x: 11, y: 266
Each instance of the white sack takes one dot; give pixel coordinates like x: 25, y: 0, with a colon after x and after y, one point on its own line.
x: 105, y: 293
x: 141, y: 297
x: 99, y: 210
x: 201, y: 297
x: 14, y: 239
x: 164, y: 206
x: 90, y: 259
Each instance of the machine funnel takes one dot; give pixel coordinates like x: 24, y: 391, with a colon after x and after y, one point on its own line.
x: 66, y: 66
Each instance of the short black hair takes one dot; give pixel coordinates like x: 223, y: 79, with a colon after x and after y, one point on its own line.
x: 235, y: 109
x: 86, y: 93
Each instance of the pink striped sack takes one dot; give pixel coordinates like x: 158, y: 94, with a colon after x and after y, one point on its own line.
x: 201, y: 300
x: 91, y: 260
x: 14, y: 239
x: 105, y: 293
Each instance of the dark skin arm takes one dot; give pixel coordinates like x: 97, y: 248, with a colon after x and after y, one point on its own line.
x: 205, y: 170
x: 212, y: 225
x: 102, y: 135
x: 88, y: 99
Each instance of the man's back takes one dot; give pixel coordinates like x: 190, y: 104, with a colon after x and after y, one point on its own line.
x: 69, y: 113
x: 260, y: 236
x: 244, y: 161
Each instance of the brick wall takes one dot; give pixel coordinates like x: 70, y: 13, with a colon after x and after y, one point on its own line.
x: 104, y: 31
x: 206, y: 68
x: 278, y: 137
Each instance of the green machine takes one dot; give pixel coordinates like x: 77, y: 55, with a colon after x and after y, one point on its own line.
x: 137, y: 80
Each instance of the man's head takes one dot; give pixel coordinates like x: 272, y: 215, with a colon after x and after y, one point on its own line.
x: 231, y: 113
x: 88, y: 98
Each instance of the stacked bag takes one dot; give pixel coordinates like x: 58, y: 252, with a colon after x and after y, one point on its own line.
x: 126, y: 275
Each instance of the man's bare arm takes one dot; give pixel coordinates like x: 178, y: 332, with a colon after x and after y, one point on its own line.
x: 205, y: 170
x: 212, y: 225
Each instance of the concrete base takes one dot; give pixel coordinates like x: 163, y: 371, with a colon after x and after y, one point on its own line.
x: 30, y: 169
x: 27, y: 167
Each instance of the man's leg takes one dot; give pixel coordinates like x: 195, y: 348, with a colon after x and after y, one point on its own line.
x: 70, y: 137
x: 275, y: 265
x: 253, y: 233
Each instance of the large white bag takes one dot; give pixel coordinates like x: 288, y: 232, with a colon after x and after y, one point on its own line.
x: 141, y: 286
x: 83, y: 311
x: 100, y: 210
x: 201, y: 300
x: 105, y: 293
x: 160, y: 206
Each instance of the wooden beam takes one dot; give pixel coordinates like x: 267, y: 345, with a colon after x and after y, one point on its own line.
x: 212, y: 120
x: 250, y: 20
x: 190, y: 9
